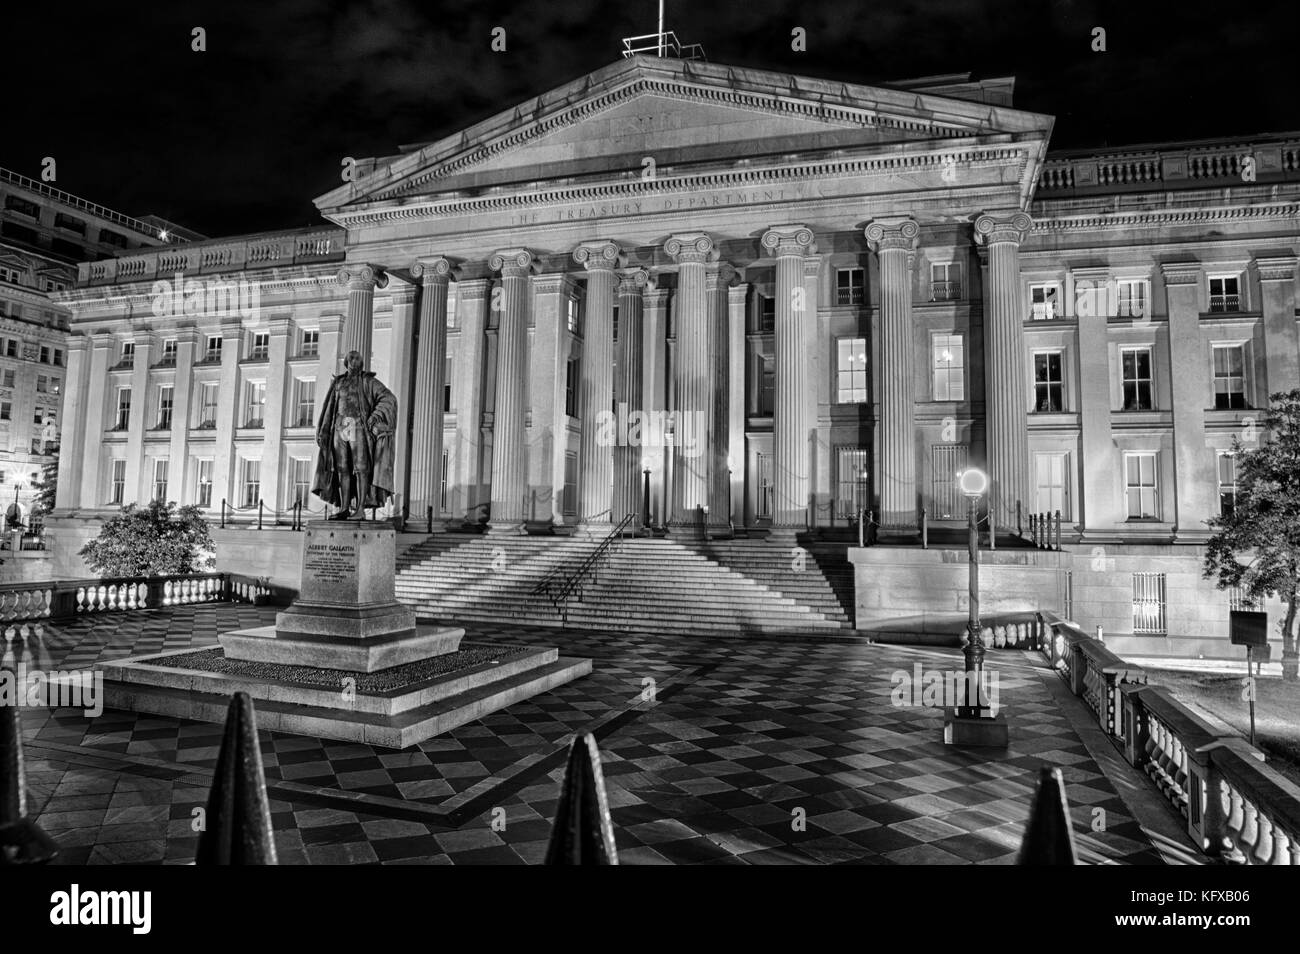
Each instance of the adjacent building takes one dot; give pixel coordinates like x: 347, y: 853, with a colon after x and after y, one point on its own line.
x: 756, y: 300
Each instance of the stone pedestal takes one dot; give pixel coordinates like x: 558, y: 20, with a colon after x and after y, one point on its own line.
x: 346, y: 660
x: 987, y: 731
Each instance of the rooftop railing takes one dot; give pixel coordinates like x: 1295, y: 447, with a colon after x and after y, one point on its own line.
x: 76, y: 202
x: 661, y: 44
x: 1174, y: 166
x: 299, y: 247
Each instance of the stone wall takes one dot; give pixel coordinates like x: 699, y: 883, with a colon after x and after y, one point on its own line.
x: 274, y: 554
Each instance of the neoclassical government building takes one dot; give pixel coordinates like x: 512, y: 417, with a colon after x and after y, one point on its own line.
x: 774, y: 300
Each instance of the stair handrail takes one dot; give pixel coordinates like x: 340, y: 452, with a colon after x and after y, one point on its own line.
x: 559, y: 595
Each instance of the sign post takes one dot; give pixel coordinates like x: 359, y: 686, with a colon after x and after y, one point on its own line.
x: 1249, y: 628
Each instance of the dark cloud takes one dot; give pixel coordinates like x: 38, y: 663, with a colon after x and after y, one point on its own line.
x: 242, y: 137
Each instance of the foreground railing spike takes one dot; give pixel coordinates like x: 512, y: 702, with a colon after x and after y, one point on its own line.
x: 22, y: 841
x: 1049, y: 837
x: 237, y: 828
x: 583, y: 832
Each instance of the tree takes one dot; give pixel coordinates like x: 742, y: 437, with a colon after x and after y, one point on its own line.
x: 1256, y: 543
x: 46, y: 487
x: 160, y: 538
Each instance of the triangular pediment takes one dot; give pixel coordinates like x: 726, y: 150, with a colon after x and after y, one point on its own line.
x: 673, y: 112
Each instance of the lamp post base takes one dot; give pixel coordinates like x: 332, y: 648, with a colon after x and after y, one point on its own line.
x: 975, y: 727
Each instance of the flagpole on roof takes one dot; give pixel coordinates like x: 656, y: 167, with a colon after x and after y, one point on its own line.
x: 661, y: 28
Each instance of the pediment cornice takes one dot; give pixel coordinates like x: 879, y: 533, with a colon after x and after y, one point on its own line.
x: 1165, y: 218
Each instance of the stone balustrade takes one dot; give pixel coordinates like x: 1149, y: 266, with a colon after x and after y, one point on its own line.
x: 298, y: 247
x: 1235, y: 806
x: 1179, y: 165
x: 65, y: 599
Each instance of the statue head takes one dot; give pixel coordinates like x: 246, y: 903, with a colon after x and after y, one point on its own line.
x: 353, y: 363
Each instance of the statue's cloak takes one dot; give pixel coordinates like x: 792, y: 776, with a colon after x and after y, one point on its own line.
x: 379, y: 407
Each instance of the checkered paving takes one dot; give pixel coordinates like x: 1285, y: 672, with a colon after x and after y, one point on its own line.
x: 721, y: 751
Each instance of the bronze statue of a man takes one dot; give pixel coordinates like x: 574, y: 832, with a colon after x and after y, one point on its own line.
x: 355, y: 437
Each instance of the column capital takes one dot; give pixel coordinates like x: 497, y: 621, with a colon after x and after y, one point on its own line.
x: 997, y: 229
x: 1277, y: 268
x: 720, y: 274
x: 690, y: 247
x: 892, y: 234
x: 599, y: 255
x: 434, y: 269
x: 1181, y: 273
x: 631, y: 281
x: 513, y: 262
x: 655, y: 297
x: 789, y: 240
x: 360, y: 275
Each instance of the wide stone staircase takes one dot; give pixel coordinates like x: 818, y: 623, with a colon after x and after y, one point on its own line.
x: 666, y: 585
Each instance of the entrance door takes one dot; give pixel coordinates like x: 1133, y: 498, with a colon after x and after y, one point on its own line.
x: 853, y: 475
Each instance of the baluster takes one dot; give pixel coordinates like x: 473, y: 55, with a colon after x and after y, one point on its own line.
x: 1264, y: 847
x: 1249, y: 828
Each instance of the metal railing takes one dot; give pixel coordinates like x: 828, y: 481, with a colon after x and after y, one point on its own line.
x: 661, y: 44
x: 99, y: 211
x: 559, y: 587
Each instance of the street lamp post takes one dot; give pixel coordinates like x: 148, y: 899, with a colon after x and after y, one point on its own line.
x: 730, y: 523
x: 645, y: 493
x: 974, y: 722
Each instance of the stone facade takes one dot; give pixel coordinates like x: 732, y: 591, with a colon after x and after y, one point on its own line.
x: 818, y: 298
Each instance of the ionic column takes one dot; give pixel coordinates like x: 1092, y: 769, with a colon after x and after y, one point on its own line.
x: 135, y: 464
x: 360, y: 281
x: 509, y: 464
x: 693, y: 373
x: 1006, y: 389
x: 596, y: 454
x: 894, y: 241
x: 719, y: 279
x: 628, y: 386
x: 92, y: 457
x: 789, y: 425
x: 427, y: 408
x: 655, y: 392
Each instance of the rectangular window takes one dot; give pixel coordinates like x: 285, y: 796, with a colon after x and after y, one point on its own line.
x: 250, y: 481
x: 446, y: 387
x: 852, y: 370
x: 1049, y: 388
x: 304, y: 402
x: 166, y: 398
x: 570, y: 501
x: 949, y: 367
x: 27, y: 207
x: 1227, y: 483
x: 117, y: 482
x: 42, y: 384
x: 309, y: 346
x: 168, y: 351
x: 123, y: 409
x: 1229, y: 376
x: 571, y: 388
x: 208, y: 405
x: 45, y: 355
x: 260, y: 346
x: 160, y: 480
x: 1225, y: 293
x: 766, y: 384
x: 128, y: 352
x: 1140, y: 486
x: 213, y: 351
x: 58, y: 357
x: 945, y: 282
x: 300, y: 475
x: 571, y: 314
x: 115, y: 239
x: 205, y: 482
x: 1045, y: 301
x: 766, y: 315
x: 1051, y: 484
x: 849, y: 286
x: 70, y: 222
x: 1131, y: 297
x: 11, y: 346
x: 1135, y: 364
x: 6, y: 410
x: 854, y: 476
x: 766, y: 488
x: 9, y: 378
x: 254, y: 403
x: 946, y: 462
x: 1149, y: 604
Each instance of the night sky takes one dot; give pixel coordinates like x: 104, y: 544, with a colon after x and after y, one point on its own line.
x: 242, y: 137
